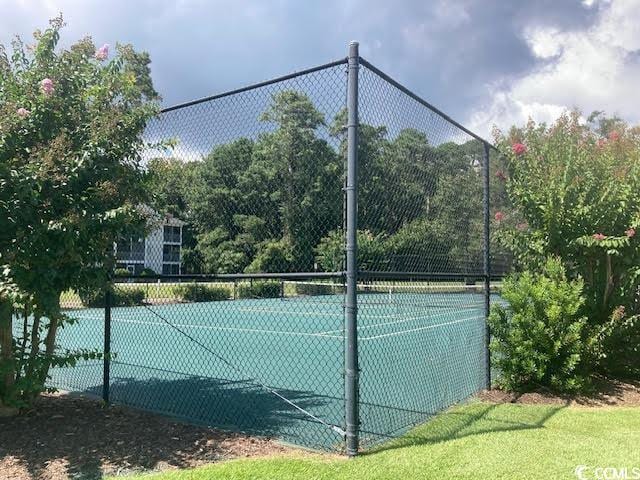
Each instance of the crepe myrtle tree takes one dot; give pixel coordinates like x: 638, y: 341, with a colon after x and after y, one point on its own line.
x: 574, y: 191
x: 70, y: 131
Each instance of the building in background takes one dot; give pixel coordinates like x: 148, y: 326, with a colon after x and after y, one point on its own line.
x: 160, y: 251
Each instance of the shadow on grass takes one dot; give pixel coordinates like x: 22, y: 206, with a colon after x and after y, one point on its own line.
x: 86, y: 436
x: 469, y: 420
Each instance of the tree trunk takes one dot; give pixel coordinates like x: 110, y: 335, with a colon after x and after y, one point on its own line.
x: 6, y: 350
x: 50, y: 339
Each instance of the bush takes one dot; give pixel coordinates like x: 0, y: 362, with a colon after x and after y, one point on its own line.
x: 202, y: 293
x: 318, y: 289
x: 259, y: 289
x: 538, y: 340
x: 615, y: 346
x: 148, y: 272
x: 121, y: 297
x: 121, y: 272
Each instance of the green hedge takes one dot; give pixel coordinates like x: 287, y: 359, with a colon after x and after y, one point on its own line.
x: 121, y: 297
x: 202, y: 293
x: 260, y: 289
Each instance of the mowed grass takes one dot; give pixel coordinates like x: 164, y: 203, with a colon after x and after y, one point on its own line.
x: 473, y: 441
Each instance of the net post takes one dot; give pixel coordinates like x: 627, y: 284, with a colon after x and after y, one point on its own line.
x: 106, y: 371
x: 351, y: 303
x: 486, y: 202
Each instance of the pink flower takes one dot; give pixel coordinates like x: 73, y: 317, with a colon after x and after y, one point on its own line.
x: 518, y: 148
x: 599, y: 236
x: 499, y: 216
x: 501, y: 175
x: 46, y: 86
x: 631, y: 232
x: 522, y: 226
x: 103, y: 52
x: 601, y: 143
x: 23, y: 112
x: 613, y: 135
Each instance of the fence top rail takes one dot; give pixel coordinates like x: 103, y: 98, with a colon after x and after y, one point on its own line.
x: 423, y: 102
x: 335, y: 63
x: 233, y: 276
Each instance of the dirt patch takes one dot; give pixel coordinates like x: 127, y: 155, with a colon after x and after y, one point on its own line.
x: 607, y: 393
x: 68, y: 436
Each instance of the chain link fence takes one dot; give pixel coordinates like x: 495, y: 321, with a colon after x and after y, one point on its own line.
x: 242, y: 303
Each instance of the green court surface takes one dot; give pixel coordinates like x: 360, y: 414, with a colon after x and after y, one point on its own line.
x: 215, y: 363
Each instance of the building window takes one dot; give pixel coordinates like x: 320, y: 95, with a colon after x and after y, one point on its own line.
x: 170, y: 269
x: 171, y: 234
x: 130, y: 249
x: 171, y: 253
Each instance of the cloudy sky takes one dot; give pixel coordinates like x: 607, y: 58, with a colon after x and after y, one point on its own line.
x: 484, y: 62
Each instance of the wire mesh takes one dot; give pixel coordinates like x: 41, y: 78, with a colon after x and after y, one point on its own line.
x: 228, y: 307
x: 422, y: 347
x: 243, y: 188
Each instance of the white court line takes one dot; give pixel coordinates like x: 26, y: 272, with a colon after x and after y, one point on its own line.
x: 279, y: 310
x: 440, y: 313
x: 331, y: 315
x: 232, y: 329
x: 421, y: 328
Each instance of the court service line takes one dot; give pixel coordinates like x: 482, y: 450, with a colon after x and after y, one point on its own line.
x: 331, y: 315
x: 429, y: 327
x: 439, y: 313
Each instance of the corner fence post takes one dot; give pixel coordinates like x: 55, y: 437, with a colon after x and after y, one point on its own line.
x: 487, y: 261
x: 351, y: 304
x: 107, y: 345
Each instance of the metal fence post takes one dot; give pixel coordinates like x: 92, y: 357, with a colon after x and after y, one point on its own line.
x: 351, y: 304
x: 107, y: 345
x: 487, y: 261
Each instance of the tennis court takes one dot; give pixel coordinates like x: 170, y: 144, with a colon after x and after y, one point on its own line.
x: 275, y: 366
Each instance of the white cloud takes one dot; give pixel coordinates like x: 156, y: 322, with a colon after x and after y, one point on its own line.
x: 594, y: 69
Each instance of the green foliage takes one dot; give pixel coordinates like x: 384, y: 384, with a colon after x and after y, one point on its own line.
x: 260, y: 289
x: 120, y: 297
x: 272, y: 257
x: 148, y: 272
x: 202, y: 293
x: 537, y: 341
x: 574, y: 195
x: 309, y: 288
x: 330, y: 251
x: 121, y: 272
x: 70, y: 131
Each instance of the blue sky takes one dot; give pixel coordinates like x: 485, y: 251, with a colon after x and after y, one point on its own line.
x: 484, y: 62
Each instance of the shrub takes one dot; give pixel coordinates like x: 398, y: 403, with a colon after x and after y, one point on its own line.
x: 318, y: 289
x: 120, y: 297
x: 538, y: 339
x: 147, y: 272
x: 260, y: 289
x: 614, y: 347
x: 121, y: 272
x: 202, y: 293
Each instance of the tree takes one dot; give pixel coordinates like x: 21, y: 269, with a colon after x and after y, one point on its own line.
x: 167, y: 181
x: 306, y: 171
x: 575, y: 197
x: 263, y: 205
x: 70, y: 131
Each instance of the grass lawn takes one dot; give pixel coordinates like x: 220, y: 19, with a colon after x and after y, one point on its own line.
x: 478, y: 440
